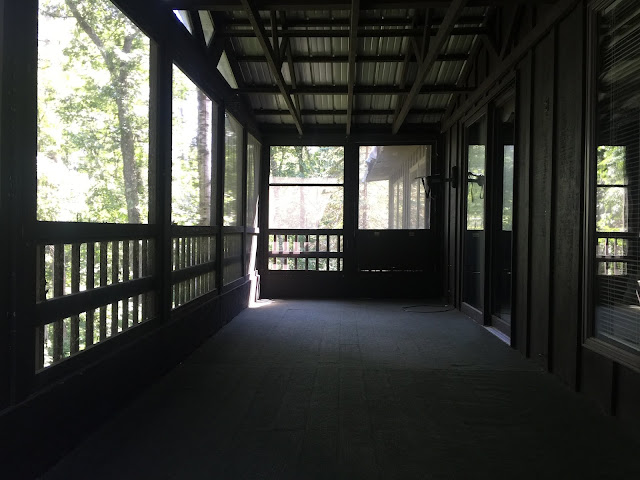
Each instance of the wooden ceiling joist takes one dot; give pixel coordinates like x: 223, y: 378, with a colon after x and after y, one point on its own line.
x: 293, y: 5
x: 443, y: 57
x: 417, y: 111
x: 345, y: 33
x: 377, y: 21
x: 261, y: 35
x: 353, y: 47
x: 357, y: 89
x: 436, y: 44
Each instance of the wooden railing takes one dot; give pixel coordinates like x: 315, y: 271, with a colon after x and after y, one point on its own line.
x: 88, y: 292
x: 306, y: 250
x: 193, y: 267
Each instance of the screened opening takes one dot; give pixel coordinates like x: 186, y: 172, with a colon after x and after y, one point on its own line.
x: 232, y: 172
x: 393, y: 187
x: 616, y: 171
x: 192, y: 165
x: 93, y: 114
x: 306, y: 189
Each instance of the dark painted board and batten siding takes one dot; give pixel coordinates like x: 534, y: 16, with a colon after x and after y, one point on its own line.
x: 541, y: 192
x: 548, y: 220
x: 567, y: 184
x: 522, y: 208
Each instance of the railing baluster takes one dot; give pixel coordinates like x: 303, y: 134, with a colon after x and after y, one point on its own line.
x: 41, y: 295
x: 145, y: 272
x: 103, y: 283
x: 58, y: 291
x: 115, y: 270
x: 125, y: 277
x: 136, y: 274
x: 74, y: 334
x: 90, y: 286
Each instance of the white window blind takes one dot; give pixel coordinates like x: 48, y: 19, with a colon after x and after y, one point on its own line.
x: 617, y: 195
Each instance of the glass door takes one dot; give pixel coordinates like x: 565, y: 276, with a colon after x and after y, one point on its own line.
x: 502, y: 231
x: 474, y: 234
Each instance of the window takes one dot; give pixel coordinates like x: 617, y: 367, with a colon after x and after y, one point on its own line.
x: 93, y: 114
x: 306, y: 187
x: 615, y: 172
x: 393, y: 187
x: 191, y: 167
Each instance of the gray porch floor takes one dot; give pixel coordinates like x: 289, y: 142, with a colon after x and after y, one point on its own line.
x: 355, y: 390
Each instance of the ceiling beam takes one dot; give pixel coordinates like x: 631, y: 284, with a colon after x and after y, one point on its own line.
x: 290, y: 5
x: 353, y: 47
x: 345, y: 33
x: 542, y: 28
x: 292, y: 70
x: 454, y: 11
x: 357, y: 90
x: 198, y: 32
x: 256, y: 23
x: 443, y: 57
x: 514, y: 24
x: 276, y: 112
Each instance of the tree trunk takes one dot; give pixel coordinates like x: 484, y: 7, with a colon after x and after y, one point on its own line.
x: 204, y: 160
x: 129, y: 168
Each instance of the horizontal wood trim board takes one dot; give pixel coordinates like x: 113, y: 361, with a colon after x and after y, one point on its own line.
x: 193, y: 231
x: 307, y: 255
x: 65, y: 232
x: 188, y: 273
x: 62, y: 307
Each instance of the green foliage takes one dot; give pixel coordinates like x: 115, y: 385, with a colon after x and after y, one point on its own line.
x: 93, y: 101
x: 475, y: 192
x: 306, y: 206
x: 611, y: 194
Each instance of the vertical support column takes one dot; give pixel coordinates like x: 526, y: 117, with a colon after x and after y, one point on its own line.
x: 220, y: 163
x: 263, y: 212
x: 18, y: 151
x: 160, y: 172
x: 243, y: 201
x: 351, y: 166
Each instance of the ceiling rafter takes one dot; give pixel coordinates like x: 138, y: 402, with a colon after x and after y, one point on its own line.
x: 412, y: 50
x: 198, y: 32
x: 256, y: 23
x: 463, y: 77
x: 384, y: 111
x: 364, y: 21
x: 443, y: 57
x: 357, y: 89
x: 292, y: 70
x: 453, y: 12
x: 218, y: 42
x: 353, y: 47
x: 290, y: 5
x: 345, y: 33
x: 514, y: 24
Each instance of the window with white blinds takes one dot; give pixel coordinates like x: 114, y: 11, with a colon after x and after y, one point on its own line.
x: 617, y: 176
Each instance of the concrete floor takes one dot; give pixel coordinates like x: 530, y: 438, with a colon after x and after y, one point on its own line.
x: 355, y: 390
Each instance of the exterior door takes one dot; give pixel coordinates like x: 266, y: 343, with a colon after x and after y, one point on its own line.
x: 473, y: 284
x: 502, y: 224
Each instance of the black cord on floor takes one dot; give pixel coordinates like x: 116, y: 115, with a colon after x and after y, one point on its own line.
x: 441, y: 308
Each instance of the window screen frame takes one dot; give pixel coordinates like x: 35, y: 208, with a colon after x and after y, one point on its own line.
x: 398, y: 184
x: 302, y: 184
x: 609, y: 349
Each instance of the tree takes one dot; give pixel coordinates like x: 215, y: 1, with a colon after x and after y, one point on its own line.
x: 105, y: 118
